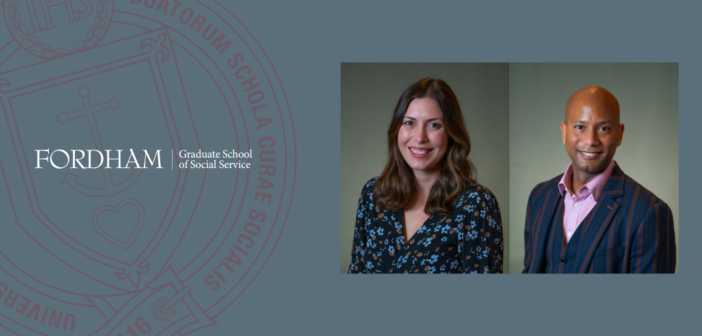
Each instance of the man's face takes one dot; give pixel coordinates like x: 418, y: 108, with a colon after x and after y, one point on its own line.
x: 591, y: 135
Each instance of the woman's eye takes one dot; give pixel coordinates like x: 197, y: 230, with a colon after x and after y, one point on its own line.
x: 434, y: 125
x: 408, y: 122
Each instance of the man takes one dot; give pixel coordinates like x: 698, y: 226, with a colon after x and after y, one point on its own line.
x: 594, y: 218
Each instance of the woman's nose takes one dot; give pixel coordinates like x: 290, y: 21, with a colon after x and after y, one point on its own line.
x: 421, y: 135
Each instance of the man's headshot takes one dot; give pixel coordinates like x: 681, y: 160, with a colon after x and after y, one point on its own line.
x: 591, y: 130
x: 593, y: 216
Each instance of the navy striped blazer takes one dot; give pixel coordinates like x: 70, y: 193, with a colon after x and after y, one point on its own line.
x: 629, y: 230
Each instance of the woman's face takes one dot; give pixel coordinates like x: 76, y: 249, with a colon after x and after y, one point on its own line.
x: 422, y: 138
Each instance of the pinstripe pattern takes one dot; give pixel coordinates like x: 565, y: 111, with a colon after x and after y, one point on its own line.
x: 630, y: 230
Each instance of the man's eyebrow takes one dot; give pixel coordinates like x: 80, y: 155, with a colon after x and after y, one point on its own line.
x: 585, y: 122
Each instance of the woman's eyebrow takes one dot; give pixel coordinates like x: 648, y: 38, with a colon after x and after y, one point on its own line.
x: 432, y: 119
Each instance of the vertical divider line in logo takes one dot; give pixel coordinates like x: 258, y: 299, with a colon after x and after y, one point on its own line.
x: 171, y: 158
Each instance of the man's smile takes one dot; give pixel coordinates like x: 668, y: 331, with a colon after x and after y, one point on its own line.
x: 590, y: 155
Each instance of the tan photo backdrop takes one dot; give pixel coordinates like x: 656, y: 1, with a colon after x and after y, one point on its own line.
x: 369, y: 93
x: 648, y: 100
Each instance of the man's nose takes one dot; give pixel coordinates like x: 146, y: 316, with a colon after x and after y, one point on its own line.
x: 591, y: 138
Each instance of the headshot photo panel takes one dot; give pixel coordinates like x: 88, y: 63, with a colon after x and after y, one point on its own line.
x: 593, y: 167
x: 509, y: 168
x: 424, y: 168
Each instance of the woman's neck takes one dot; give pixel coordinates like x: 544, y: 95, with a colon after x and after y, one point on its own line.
x: 424, y: 183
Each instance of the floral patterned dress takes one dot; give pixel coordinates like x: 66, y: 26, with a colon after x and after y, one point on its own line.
x: 469, y: 240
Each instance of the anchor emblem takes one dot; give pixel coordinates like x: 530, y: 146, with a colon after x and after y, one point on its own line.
x: 110, y: 188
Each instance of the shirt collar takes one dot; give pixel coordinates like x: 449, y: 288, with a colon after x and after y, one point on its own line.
x: 595, y: 186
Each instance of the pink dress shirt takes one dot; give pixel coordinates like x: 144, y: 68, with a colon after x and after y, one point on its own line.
x: 577, y: 207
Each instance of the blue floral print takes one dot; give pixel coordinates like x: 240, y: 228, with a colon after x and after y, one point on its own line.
x: 469, y: 240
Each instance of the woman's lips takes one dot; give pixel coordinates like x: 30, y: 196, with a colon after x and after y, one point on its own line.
x: 420, y: 152
x: 589, y: 156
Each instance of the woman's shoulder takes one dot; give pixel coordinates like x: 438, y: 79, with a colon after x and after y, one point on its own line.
x: 369, y: 185
x: 476, y: 193
x: 367, y: 191
x: 371, y: 182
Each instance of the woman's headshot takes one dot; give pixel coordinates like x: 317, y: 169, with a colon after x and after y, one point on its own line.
x: 425, y: 212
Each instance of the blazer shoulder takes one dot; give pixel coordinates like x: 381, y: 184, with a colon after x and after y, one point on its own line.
x: 635, y: 191
x: 546, y: 186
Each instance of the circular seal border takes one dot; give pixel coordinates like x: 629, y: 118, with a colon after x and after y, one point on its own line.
x: 224, y: 296
x: 294, y: 147
x: 275, y: 85
x: 33, y: 45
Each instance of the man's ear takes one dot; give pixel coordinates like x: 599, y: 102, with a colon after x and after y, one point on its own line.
x: 563, y: 131
x: 621, y: 134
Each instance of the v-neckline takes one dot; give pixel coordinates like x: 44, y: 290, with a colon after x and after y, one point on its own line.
x: 405, y: 239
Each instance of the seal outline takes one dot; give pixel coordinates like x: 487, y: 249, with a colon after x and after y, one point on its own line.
x: 32, y: 44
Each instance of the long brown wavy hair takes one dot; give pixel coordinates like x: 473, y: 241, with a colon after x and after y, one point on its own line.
x: 396, y: 187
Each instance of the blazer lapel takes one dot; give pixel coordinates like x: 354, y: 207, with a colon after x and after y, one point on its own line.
x: 550, y: 206
x: 600, y: 219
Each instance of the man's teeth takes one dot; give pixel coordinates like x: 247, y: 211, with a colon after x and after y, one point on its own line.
x: 419, y: 152
x: 589, y: 154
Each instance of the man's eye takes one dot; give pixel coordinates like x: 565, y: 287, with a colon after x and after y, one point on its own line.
x: 579, y: 127
x: 604, y: 129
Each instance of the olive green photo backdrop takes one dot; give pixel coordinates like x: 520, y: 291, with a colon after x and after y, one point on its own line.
x: 648, y: 101
x: 369, y: 93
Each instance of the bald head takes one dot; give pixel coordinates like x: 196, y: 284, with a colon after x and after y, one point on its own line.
x: 591, y: 97
x: 591, y: 132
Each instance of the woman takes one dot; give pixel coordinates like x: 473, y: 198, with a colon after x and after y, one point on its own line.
x: 425, y: 213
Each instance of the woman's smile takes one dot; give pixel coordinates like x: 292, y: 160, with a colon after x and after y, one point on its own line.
x: 420, y: 152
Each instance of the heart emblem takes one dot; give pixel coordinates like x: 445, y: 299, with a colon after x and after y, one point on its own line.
x: 120, y: 225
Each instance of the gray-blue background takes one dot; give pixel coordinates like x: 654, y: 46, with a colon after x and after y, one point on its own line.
x: 300, y: 290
